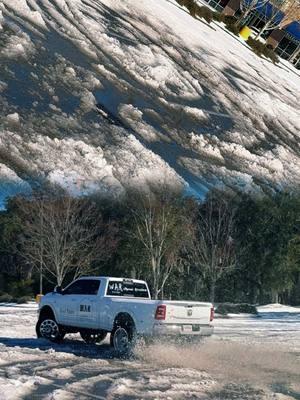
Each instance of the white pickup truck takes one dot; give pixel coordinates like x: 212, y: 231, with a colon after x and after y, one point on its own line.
x: 95, y: 306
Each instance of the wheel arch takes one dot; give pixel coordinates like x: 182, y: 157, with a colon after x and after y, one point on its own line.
x: 124, y: 317
x: 47, y: 310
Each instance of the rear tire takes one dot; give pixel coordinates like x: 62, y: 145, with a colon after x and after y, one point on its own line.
x: 48, y: 328
x: 93, y: 338
x: 123, y: 338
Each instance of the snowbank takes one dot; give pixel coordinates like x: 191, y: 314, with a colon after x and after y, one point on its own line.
x: 165, y: 78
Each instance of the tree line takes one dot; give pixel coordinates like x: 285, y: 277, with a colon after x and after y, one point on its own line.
x: 228, y: 247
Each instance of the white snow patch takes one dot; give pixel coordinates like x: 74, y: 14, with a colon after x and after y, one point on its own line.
x: 88, y: 101
x: 21, y: 8
x: 276, y: 307
x: 17, y: 388
x: 18, y: 46
x: 13, y: 118
x: 134, y: 117
x: 10, y: 184
x: 3, y: 86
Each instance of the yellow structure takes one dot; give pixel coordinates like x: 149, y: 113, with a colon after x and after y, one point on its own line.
x: 38, y: 297
x: 245, y: 32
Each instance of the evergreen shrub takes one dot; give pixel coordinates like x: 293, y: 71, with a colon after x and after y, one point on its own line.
x: 229, y: 20
x: 218, y: 16
x: 23, y: 299
x: 262, y: 49
x: 231, y: 308
x: 232, y: 27
x: 205, y: 13
x: 21, y: 288
x: 6, y: 298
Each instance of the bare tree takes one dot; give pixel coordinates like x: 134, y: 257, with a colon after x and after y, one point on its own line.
x: 163, y: 229
x: 279, y: 14
x: 63, y: 235
x: 295, y: 54
x: 213, y: 250
x: 291, y: 10
x: 248, y: 6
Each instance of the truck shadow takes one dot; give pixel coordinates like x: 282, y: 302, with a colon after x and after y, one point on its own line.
x: 71, y: 346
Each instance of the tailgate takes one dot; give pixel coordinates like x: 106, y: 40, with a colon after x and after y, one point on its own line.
x: 188, y: 313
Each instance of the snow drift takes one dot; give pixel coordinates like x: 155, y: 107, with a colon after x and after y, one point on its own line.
x: 106, y: 94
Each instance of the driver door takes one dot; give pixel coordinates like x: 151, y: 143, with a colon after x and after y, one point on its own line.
x: 78, y: 306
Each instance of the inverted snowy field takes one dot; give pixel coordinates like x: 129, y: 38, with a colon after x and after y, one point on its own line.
x: 248, y: 358
x: 115, y: 93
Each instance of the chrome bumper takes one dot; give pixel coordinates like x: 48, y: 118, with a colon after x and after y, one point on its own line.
x: 178, y: 329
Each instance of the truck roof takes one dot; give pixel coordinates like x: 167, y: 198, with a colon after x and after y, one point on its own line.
x: 112, y: 277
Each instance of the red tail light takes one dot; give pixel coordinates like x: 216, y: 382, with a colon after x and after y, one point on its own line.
x: 161, y: 312
x: 212, y: 314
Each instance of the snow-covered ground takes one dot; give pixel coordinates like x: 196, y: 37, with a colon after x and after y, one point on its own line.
x: 178, y: 101
x: 247, y: 358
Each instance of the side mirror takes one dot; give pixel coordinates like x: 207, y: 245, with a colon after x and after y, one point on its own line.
x: 58, y: 289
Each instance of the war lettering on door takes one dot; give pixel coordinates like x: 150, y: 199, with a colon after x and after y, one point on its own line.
x: 85, y: 308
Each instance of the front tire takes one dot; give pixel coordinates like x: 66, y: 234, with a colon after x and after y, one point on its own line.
x: 48, y: 328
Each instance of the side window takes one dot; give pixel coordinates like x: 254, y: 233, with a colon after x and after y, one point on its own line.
x: 91, y: 286
x: 83, y: 287
x: 74, y: 288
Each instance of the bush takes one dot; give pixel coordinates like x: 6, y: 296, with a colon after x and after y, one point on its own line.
x: 256, y: 45
x: 226, y: 308
x: 270, y: 53
x: 229, y: 20
x: 232, y: 27
x: 195, y: 10
x: 21, y: 288
x: 23, y: 299
x: 262, y: 49
x: 6, y: 298
x: 205, y: 13
x: 190, y: 5
x: 218, y: 16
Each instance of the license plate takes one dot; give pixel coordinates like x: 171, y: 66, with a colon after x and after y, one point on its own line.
x: 187, y: 328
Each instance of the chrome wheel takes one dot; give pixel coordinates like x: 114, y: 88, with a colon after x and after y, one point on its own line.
x: 49, y: 329
x: 121, y: 341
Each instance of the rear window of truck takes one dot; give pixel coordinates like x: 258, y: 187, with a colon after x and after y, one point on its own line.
x: 127, y: 289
